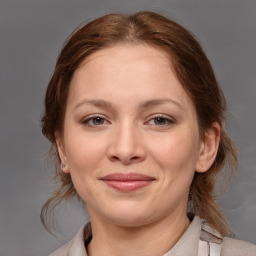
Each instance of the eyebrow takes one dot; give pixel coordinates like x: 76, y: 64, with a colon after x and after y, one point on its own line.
x: 146, y: 104
x: 97, y: 103
x: 156, y: 102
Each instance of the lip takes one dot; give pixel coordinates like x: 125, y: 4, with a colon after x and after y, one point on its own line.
x: 127, y: 182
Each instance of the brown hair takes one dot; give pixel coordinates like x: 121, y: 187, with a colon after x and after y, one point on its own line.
x: 193, y: 70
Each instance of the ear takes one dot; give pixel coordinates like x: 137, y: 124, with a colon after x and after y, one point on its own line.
x: 61, y: 151
x: 208, y: 148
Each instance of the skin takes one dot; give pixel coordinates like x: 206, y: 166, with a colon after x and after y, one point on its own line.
x: 127, y: 112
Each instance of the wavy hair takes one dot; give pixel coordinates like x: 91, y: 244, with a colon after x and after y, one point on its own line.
x: 195, y: 74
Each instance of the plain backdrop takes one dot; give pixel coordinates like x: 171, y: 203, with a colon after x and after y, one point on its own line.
x: 31, y: 35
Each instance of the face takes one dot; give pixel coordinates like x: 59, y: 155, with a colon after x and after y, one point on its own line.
x: 131, y: 141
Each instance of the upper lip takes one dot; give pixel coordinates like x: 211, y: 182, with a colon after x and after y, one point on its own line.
x: 127, y: 177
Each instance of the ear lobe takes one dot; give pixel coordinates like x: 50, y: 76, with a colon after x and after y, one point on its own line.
x: 61, y: 151
x: 209, y: 148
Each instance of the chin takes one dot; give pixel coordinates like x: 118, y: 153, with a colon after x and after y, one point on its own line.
x: 129, y: 216
x: 130, y: 221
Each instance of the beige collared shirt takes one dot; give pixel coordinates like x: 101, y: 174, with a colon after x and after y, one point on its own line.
x: 198, y: 240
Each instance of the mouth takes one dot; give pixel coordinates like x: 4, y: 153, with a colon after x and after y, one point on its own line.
x: 127, y: 182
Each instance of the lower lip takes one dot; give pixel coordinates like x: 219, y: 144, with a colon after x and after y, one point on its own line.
x: 127, y: 186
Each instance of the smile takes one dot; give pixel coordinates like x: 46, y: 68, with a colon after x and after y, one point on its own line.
x: 127, y: 182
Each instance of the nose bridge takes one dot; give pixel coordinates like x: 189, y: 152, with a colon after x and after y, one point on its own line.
x: 126, y: 144
x: 126, y: 136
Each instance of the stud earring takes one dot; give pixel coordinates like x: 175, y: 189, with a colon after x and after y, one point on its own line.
x: 63, y: 165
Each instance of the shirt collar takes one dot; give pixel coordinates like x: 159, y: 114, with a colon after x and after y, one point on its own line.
x: 187, y: 244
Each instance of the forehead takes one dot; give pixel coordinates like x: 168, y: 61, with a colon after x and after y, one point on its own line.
x: 127, y: 71
x: 129, y: 52
x: 134, y: 61
x: 126, y: 59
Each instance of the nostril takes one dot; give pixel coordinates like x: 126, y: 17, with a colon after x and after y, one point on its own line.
x: 114, y: 158
x: 126, y: 154
x: 125, y: 160
x: 135, y: 158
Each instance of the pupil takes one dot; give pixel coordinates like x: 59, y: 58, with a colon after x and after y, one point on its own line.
x: 159, y: 120
x: 98, y: 120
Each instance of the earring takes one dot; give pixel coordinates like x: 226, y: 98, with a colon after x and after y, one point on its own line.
x: 63, y: 165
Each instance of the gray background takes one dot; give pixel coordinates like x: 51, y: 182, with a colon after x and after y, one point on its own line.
x: 31, y: 35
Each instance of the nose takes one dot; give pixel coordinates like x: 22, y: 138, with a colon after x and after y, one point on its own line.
x: 126, y: 145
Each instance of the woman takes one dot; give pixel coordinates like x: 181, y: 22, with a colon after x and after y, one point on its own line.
x: 135, y: 117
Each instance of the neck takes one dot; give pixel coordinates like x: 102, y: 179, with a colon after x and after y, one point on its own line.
x: 155, y: 238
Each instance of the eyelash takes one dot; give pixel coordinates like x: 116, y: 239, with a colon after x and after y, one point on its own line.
x: 167, y: 120
x: 92, y: 118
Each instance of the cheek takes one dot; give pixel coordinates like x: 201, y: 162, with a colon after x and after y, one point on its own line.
x: 83, y: 153
x: 177, y: 159
x: 176, y: 150
x: 84, y: 156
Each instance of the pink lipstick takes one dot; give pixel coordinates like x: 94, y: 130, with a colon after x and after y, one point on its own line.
x: 127, y: 182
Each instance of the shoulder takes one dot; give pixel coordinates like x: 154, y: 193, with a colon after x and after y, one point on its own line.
x: 76, y: 246
x: 62, y: 251
x: 224, y: 246
x: 235, y: 247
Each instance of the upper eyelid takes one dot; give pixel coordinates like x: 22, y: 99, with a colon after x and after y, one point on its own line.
x: 169, y: 121
x: 94, y: 116
x: 86, y: 119
x: 152, y: 116
x: 162, y: 116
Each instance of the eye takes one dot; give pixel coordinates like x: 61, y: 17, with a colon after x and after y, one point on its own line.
x: 160, y: 120
x: 94, y: 121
